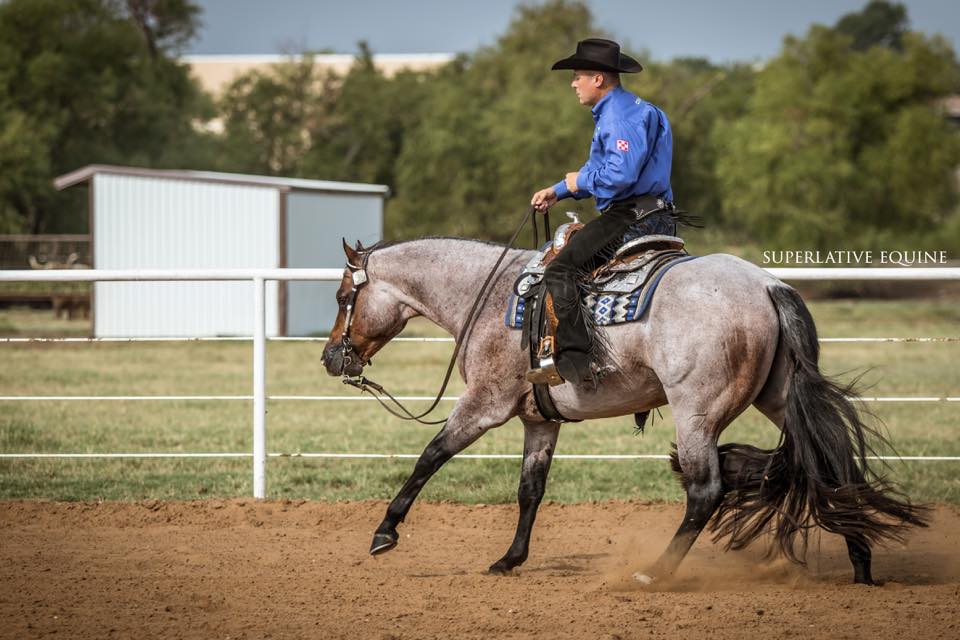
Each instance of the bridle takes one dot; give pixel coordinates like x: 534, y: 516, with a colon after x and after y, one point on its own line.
x: 352, y: 364
x: 358, y: 277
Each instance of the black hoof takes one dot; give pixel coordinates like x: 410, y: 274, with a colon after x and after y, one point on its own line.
x: 383, y: 542
x: 504, y: 566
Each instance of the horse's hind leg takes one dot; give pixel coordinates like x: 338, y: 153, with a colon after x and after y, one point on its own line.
x: 467, y: 422
x: 700, y: 462
x: 860, y: 557
x: 772, y: 402
x: 539, y: 442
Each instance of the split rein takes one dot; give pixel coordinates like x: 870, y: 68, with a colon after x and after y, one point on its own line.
x: 354, y: 377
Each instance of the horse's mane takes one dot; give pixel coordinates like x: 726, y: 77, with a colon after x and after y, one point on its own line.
x: 383, y: 244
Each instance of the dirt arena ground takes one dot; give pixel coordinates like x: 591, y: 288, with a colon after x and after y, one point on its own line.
x: 242, y: 569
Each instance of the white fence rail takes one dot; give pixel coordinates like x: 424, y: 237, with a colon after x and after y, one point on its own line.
x: 258, y: 277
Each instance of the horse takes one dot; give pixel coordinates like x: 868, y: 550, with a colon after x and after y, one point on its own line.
x: 721, y: 334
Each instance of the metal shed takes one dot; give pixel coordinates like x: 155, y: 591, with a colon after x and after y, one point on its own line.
x: 163, y: 219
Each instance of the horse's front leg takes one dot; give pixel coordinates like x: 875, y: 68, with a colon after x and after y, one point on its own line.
x: 469, y: 420
x: 539, y: 442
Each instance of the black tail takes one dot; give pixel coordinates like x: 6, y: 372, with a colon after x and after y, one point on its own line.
x: 819, y: 474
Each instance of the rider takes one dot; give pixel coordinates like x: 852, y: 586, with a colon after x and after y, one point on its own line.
x: 628, y: 173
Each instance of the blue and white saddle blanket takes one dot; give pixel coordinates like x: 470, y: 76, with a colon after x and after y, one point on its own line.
x: 623, y: 293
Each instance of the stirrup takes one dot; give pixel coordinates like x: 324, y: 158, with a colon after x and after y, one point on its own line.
x: 546, y: 372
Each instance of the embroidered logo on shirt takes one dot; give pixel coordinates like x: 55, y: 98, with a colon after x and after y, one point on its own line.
x: 623, y: 145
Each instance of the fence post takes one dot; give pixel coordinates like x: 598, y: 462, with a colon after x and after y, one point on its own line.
x: 259, y: 390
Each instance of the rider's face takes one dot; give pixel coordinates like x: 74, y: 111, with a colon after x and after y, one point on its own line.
x: 588, y: 86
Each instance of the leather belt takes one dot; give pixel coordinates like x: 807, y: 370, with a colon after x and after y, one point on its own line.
x: 642, y: 204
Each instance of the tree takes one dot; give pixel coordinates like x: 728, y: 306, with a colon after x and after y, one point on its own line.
x: 498, y: 125
x: 371, y: 116
x: 79, y: 84
x: 495, y: 126
x: 297, y: 119
x: 167, y: 26
x: 273, y: 118
x: 843, y: 147
x: 463, y: 147
x: 698, y: 97
x: 880, y: 24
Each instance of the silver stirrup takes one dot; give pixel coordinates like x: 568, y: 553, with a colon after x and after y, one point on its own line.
x: 547, y: 372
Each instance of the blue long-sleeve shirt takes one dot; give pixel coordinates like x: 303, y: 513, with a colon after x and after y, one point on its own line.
x: 630, y: 155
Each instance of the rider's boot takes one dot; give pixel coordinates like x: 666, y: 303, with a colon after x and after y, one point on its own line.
x: 575, y: 366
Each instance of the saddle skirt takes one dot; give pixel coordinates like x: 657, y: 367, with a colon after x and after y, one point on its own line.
x: 619, y: 291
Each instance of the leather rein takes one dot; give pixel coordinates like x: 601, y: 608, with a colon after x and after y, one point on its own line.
x: 352, y: 363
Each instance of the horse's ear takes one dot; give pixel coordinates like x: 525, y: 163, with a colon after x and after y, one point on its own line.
x: 360, y: 246
x: 350, y: 252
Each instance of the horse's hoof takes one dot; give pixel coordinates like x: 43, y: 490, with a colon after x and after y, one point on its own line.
x: 383, y: 542
x: 500, y: 568
x: 643, y: 578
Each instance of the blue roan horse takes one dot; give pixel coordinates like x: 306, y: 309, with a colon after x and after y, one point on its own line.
x: 721, y: 334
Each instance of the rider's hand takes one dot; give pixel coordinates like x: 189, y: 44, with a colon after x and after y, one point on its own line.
x: 544, y: 199
x: 571, y: 182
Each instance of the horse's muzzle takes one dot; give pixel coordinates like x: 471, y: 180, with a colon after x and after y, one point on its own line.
x: 341, y: 362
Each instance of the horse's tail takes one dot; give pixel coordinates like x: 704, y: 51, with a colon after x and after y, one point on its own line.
x: 819, y: 474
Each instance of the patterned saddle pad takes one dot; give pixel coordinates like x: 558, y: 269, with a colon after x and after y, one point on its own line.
x: 624, y: 297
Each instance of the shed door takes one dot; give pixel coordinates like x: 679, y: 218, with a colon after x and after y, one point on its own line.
x: 316, y: 222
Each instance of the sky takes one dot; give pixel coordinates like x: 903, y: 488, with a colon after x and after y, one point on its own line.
x: 721, y: 30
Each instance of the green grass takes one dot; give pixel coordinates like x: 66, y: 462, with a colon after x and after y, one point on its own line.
x: 408, y: 369
x: 43, y: 287
x: 27, y: 322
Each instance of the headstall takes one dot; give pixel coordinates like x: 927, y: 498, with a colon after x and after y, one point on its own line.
x: 358, y: 277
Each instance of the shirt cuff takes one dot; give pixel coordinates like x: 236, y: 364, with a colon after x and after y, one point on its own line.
x: 561, y: 189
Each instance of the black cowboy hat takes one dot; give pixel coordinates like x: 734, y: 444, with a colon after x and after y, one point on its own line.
x: 596, y: 54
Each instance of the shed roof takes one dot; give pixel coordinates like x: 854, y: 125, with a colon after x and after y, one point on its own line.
x: 283, y: 184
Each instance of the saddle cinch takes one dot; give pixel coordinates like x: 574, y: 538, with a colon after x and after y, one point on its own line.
x: 618, y: 291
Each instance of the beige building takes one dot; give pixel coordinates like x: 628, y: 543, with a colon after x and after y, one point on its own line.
x: 215, y: 72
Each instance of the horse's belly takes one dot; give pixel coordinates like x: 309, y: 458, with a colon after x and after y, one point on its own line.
x: 618, y: 394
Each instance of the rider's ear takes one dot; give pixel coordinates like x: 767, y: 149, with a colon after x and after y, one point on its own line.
x: 350, y: 252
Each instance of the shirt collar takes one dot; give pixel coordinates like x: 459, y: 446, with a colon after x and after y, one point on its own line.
x: 598, y: 108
